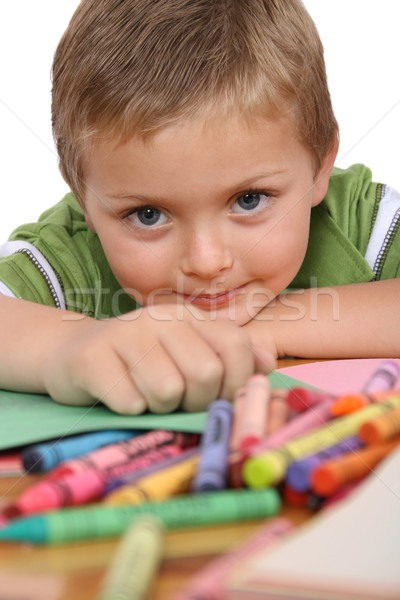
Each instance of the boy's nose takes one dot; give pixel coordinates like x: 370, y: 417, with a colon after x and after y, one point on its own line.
x: 206, y: 255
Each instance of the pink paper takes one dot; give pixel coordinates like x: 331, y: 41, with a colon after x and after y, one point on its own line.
x: 337, y: 376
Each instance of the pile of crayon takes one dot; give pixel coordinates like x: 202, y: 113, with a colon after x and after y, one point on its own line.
x: 305, y: 445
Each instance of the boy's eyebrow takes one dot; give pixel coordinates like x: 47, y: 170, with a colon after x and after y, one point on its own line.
x: 240, y: 186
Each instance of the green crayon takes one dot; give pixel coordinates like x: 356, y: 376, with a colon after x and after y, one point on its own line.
x: 102, y: 521
x: 270, y: 467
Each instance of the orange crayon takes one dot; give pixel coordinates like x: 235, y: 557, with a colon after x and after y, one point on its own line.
x: 278, y: 410
x: 348, y: 403
x: 381, y: 428
x: 335, y: 473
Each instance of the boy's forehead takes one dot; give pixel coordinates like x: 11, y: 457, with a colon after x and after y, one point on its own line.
x: 221, y: 152
x: 215, y: 128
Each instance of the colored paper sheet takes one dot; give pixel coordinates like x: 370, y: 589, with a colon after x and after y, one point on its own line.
x: 336, y: 376
x: 30, y: 418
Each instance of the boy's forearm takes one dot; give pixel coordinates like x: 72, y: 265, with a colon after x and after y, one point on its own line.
x: 359, y: 320
x: 30, y: 333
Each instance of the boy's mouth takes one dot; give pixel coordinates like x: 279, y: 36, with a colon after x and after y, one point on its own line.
x: 212, y: 300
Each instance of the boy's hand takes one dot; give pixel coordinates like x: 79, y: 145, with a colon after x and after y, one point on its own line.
x: 157, y: 358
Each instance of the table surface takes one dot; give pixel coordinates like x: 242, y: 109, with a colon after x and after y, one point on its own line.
x: 75, y: 571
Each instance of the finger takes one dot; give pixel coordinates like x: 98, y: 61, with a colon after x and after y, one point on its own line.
x: 201, y: 367
x: 234, y: 348
x: 264, y: 361
x: 159, y: 379
x: 110, y: 382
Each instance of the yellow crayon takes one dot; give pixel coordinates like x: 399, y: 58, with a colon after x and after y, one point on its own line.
x: 270, y: 467
x: 162, y: 484
x: 135, y: 562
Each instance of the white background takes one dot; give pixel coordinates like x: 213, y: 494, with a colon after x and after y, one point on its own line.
x: 362, y: 55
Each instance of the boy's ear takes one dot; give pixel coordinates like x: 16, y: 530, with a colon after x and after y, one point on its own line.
x: 321, y: 180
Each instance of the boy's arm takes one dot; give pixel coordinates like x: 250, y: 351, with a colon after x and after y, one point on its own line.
x: 158, y: 358
x: 358, y: 320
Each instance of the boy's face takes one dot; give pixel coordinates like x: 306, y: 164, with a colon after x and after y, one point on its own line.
x: 210, y: 213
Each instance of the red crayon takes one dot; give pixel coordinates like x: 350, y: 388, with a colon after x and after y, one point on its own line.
x: 301, y: 399
x: 80, y: 488
x: 293, y: 497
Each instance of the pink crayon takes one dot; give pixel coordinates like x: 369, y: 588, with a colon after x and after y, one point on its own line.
x: 122, y: 452
x: 209, y: 583
x: 253, y: 422
x: 310, y: 419
x: 80, y: 488
x: 279, y: 410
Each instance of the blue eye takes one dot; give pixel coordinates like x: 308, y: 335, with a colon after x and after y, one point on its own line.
x: 250, y: 202
x: 147, y: 216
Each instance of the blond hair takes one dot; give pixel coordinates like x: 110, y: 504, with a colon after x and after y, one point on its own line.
x: 127, y: 67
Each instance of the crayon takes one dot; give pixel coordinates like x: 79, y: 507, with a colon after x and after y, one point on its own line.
x: 335, y: 473
x: 212, y: 467
x: 299, y: 472
x: 278, y: 413
x: 122, y: 452
x: 293, y: 497
x: 80, y: 488
x: 270, y: 467
x: 209, y: 582
x: 11, y: 464
x: 40, y: 458
x: 235, y: 456
x: 301, y: 399
x: 238, y: 404
x: 253, y: 422
x: 296, y: 427
x: 102, y: 521
x: 135, y: 561
x: 348, y: 403
x: 163, y: 484
x: 344, y: 491
x: 381, y: 428
x: 386, y: 376
x: 132, y: 477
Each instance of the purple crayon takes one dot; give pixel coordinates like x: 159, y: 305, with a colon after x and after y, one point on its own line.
x: 386, y: 377
x: 298, y: 473
x: 212, y: 467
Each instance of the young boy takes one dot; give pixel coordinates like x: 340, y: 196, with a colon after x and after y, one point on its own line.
x: 208, y: 232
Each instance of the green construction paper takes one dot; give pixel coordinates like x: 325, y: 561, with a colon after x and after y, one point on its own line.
x: 30, y: 418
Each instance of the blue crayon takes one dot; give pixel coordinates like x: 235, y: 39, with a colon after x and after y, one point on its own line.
x: 298, y: 473
x: 212, y: 467
x: 41, y: 458
x: 132, y: 477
